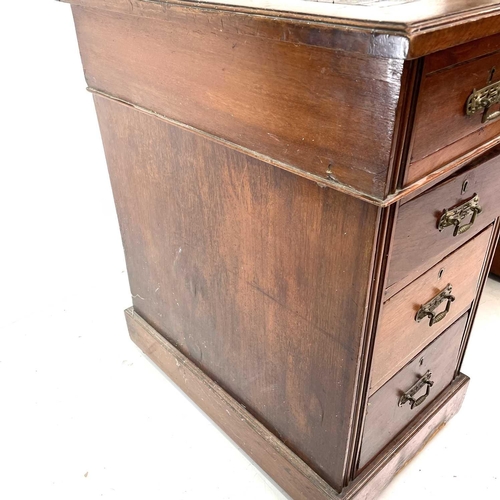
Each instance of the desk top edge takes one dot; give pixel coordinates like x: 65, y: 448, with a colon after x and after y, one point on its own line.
x: 413, y: 20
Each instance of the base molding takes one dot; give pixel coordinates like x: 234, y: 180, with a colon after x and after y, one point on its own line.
x: 282, y: 465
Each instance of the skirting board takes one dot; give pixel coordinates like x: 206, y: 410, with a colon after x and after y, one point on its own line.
x: 280, y: 463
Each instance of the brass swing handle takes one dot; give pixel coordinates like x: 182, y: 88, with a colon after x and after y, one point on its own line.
x: 454, y: 217
x: 429, y: 309
x: 409, y: 395
x: 483, y: 100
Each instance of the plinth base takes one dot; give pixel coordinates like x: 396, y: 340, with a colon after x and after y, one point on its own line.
x: 279, y: 462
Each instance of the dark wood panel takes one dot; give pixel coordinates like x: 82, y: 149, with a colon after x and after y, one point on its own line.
x: 269, y: 452
x: 260, y: 289
x: 495, y: 267
x: 441, y: 124
x: 454, y: 156
x: 460, y: 54
x: 400, y: 337
x: 418, y: 244
x: 373, y: 313
x: 385, y: 419
x: 291, y: 473
x: 248, y: 270
x: 427, y: 40
x: 319, y: 111
x: 379, y: 472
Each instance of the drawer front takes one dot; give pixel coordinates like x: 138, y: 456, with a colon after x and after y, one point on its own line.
x: 400, y: 336
x: 418, y: 243
x: 388, y: 414
x: 448, y: 125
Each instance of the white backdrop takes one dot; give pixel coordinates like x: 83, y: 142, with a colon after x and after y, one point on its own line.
x: 82, y: 413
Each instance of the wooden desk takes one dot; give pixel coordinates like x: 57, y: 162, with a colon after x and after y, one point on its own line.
x: 308, y: 200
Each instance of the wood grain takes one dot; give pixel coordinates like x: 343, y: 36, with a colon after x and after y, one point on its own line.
x: 269, y: 452
x: 298, y: 30
x: 380, y: 471
x: 266, y: 160
x: 385, y: 419
x: 248, y: 270
x: 418, y: 244
x: 276, y: 88
x: 460, y: 54
x: 452, y: 157
x: 432, y: 37
x: 279, y: 98
x: 430, y: 25
x: 291, y: 473
x: 400, y: 337
x: 378, y: 282
x: 441, y: 124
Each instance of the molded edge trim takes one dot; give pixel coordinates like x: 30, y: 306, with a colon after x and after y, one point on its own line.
x: 416, y: 38
x: 405, y: 194
x: 267, y: 159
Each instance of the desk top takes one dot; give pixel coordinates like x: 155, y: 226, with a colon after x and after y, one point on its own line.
x: 403, y: 13
x: 422, y: 26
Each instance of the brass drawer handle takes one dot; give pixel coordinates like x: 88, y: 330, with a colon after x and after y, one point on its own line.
x: 409, y: 395
x: 429, y: 309
x: 455, y: 216
x: 483, y: 100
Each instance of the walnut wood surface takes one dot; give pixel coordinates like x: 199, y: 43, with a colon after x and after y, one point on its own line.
x: 259, y: 276
x: 320, y: 111
x: 400, y: 337
x: 385, y: 419
x: 418, y: 244
x: 441, y: 125
x: 291, y: 473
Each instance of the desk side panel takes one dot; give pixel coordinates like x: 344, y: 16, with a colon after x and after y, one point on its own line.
x: 258, y: 276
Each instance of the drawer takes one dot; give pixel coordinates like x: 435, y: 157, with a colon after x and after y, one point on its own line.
x: 400, y: 336
x: 386, y: 414
x: 449, y: 121
x: 418, y: 244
